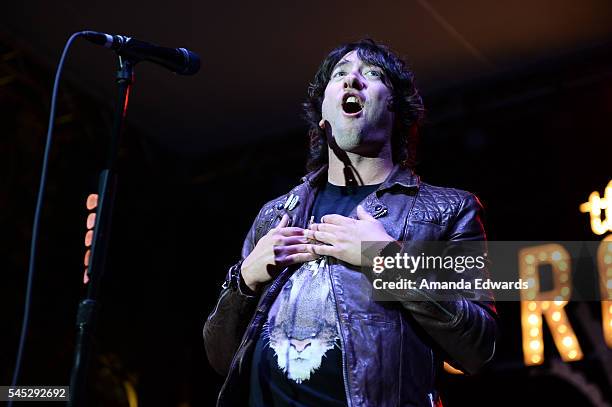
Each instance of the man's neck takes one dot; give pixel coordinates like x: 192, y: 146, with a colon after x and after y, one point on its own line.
x: 369, y: 170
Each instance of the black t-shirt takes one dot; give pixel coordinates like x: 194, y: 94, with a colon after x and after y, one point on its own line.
x: 297, y: 360
x: 341, y: 200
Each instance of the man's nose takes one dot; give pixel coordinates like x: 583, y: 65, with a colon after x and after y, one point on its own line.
x: 353, y: 81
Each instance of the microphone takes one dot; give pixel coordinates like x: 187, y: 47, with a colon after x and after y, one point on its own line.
x: 178, y: 60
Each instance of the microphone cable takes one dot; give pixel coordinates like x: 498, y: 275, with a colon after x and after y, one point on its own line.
x: 37, y: 214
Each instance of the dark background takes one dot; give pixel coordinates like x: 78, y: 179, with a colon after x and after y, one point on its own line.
x: 519, y: 100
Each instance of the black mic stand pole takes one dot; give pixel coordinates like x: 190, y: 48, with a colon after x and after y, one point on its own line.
x: 86, y: 314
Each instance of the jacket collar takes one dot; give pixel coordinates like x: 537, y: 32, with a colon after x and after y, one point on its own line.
x: 314, y: 177
x: 404, y: 177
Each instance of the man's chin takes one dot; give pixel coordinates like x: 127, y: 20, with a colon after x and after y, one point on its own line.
x: 349, y: 143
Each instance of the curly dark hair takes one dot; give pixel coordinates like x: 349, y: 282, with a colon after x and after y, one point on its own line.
x: 407, y: 103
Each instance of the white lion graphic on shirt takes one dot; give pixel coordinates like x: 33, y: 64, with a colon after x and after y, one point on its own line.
x: 302, y: 323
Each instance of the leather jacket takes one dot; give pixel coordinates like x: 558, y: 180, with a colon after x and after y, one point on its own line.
x: 392, y: 352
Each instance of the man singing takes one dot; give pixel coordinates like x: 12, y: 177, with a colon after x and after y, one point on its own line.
x: 296, y: 323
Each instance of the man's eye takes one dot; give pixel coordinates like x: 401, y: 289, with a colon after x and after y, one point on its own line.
x: 376, y: 74
x: 339, y: 73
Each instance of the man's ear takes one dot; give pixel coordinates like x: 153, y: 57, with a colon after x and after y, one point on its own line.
x: 390, y: 104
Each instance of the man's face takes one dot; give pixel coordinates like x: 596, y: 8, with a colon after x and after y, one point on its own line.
x: 357, y: 106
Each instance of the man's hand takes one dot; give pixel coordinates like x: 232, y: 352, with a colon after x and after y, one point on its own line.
x: 281, y: 247
x: 343, y: 236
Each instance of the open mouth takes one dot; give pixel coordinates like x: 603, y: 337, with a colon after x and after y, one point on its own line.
x: 352, y: 104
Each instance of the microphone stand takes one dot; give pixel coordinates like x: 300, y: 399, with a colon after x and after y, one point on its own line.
x: 86, y: 313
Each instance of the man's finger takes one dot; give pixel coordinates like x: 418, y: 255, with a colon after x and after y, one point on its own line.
x: 324, y: 227
x: 324, y: 237
x: 295, y: 240
x: 324, y: 250
x: 304, y: 246
x: 290, y: 231
x: 283, y: 222
x: 337, y: 220
x: 362, y: 214
x: 298, y: 248
x: 300, y: 258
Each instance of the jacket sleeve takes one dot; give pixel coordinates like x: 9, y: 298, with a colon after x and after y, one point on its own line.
x: 463, y: 326
x: 226, y: 324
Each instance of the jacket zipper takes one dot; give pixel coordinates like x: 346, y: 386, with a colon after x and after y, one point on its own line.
x: 342, y: 339
x: 349, y: 401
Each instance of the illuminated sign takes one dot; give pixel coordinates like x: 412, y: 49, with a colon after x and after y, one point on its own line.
x: 534, y: 303
x: 548, y: 303
x: 595, y: 206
